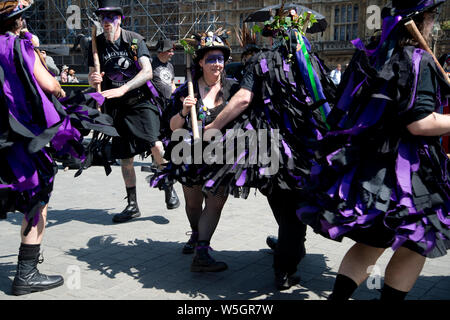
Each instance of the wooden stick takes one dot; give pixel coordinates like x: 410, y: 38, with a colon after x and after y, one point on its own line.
x: 191, y: 93
x: 412, y: 28
x: 98, y: 87
x: 305, y: 25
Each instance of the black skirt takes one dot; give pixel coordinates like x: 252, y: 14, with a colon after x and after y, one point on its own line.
x: 138, y: 126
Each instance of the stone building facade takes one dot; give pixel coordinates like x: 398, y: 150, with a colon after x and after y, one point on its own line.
x: 174, y: 19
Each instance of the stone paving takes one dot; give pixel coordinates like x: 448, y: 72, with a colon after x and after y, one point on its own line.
x: 142, y: 260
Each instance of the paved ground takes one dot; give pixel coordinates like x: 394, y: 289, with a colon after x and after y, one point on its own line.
x: 142, y: 259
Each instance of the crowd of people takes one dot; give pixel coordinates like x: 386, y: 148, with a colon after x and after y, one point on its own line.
x: 357, y: 155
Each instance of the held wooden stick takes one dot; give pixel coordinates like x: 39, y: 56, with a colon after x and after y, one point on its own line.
x: 305, y: 25
x: 98, y: 87
x: 412, y: 28
x: 191, y: 93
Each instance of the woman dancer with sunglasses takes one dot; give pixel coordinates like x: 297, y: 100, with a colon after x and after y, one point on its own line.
x: 212, y: 91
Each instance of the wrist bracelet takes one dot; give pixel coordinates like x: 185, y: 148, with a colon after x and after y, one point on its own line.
x: 181, y: 114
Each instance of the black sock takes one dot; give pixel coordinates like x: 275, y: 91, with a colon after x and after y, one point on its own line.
x: 203, y: 244
x: 343, y: 288
x: 131, y: 190
x: 29, y: 251
x: 389, y: 293
x: 131, y: 194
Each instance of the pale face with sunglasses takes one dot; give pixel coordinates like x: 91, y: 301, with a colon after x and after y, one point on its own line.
x: 213, y: 65
x: 111, y: 22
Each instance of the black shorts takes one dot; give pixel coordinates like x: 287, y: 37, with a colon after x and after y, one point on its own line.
x: 138, y: 126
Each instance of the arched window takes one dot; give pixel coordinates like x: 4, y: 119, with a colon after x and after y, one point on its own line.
x: 346, y: 18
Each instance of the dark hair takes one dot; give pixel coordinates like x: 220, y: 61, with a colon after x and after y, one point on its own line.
x: 10, y: 25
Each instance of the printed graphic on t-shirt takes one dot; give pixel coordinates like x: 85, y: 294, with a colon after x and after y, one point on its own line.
x: 119, y: 67
x: 166, y: 76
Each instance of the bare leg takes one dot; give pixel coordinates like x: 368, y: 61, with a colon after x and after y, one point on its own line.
x: 128, y: 173
x: 36, y: 233
x: 357, y: 260
x: 158, y: 153
x: 403, y: 269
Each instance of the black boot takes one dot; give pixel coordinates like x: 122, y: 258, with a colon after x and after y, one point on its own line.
x: 272, y: 241
x: 28, y: 279
x: 189, y: 247
x: 131, y: 211
x: 284, y: 281
x: 203, y: 262
x: 172, y: 201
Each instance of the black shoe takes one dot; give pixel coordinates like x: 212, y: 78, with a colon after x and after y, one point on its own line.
x: 130, y: 212
x: 28, y: 279
x: 172, y: 201
x: 283, y: 281
x: 189, y: 247
x: 272, y: 241
x: 203, y: 262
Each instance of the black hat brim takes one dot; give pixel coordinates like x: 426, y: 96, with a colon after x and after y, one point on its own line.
x: 417, y: 12
x: 109, y: 9
x: 201, y: 52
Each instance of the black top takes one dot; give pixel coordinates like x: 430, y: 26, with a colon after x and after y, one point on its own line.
x: 230, y: 87
x: 163, y: 77
x: 248, y: 79
x: 116, y: 59
x: 426, y: 97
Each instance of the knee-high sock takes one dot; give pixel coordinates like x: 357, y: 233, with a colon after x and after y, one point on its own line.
x: 343, y: 289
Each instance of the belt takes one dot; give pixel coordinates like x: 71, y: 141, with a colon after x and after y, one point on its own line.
x: 134, y: 99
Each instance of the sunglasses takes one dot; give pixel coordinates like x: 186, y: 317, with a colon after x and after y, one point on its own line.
x: 109, y: 17
x: 220, y: 59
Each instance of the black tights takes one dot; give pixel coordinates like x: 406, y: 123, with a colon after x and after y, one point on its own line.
x: 203, y: 220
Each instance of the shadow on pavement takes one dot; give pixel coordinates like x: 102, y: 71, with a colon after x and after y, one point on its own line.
x: 7, y: 272
x: 90, y: 216
x: 162, y: 266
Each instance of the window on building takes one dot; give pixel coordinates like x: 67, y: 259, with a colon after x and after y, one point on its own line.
x: 346, y: 22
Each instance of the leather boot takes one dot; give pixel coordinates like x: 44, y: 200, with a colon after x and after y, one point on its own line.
x: 203, y: 262
x: 131, y: 210
x: 28, y: 279
x: 172, y: 201
x: 271, y: 242
x: 284, y: 281
x: 189, y: 247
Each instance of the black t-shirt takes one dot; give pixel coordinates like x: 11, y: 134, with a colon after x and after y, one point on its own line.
x: 425, y: 103
x: 249, y: 80
x: 163, y: 77
x: 117, y: 62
